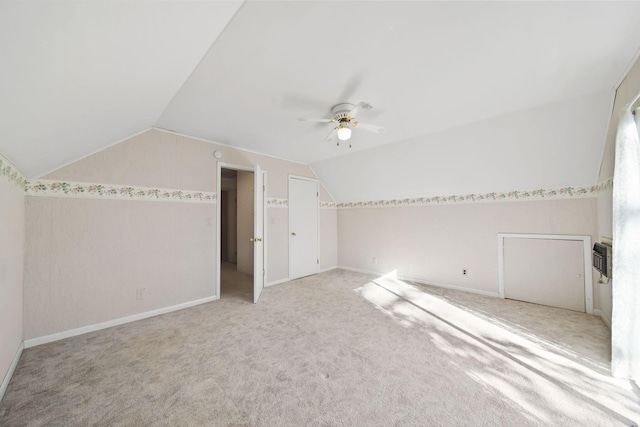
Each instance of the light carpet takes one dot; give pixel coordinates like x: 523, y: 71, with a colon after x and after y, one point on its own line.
x: 334, y: 349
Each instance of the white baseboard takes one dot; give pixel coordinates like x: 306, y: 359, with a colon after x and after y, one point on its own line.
x: 110, y: 323
x: 606, y: 321
x: 12, y: 369
x: 427, y: 282
x: 276, y: 282
x: 454, y: 287
x: 357, y: 270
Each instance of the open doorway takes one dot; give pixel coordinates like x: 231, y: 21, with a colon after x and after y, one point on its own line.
x: 236, y: 234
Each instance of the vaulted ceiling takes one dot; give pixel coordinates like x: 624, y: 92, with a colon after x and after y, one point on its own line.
x: 79, y: 76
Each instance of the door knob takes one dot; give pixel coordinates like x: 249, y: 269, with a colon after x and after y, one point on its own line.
x: 251, y: 239
x: 257, y: 239
x: 293, y: 233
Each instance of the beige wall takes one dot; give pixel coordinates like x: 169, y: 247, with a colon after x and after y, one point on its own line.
x: 11, y: 266
x: 161, y: 159
x: 86, y: 257
x: 625, y: 93
x: 434, y: 243
x: 328, y: 233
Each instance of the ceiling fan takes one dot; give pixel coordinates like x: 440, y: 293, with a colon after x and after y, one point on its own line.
x: 345, y: 116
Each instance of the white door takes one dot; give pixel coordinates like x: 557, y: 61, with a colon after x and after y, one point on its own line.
x: 545, y: 271
x: 258, y: 233
x: 303, y: 227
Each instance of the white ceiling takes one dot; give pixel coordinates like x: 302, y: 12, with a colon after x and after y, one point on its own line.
x: 78, y: 76
x: 82, y: 76
x: 424, y: 66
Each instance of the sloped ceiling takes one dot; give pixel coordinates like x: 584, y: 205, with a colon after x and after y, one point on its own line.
x: 84, y: 75
x: 79, y: 76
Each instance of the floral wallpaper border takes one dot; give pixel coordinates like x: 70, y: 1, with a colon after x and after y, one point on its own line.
x: 284, y: 203
x: 11, y: 173
x: 328, y: 205
x: 115, y: 192
x: 511, y: 196
x: 273, y: 202
x: 122, y: 192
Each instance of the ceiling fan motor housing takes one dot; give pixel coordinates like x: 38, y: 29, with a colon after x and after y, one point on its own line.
x: 340, y: 112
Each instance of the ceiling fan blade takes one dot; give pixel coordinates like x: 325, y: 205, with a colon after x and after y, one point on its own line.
x: 333, y: 136
x: 368, y: 127
x: 302, y: 119
x: 359, y: 109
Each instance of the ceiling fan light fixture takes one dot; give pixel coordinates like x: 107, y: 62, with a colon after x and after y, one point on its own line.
x: 344, y: 133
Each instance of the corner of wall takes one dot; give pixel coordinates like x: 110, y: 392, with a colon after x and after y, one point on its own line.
x: 324, y: 191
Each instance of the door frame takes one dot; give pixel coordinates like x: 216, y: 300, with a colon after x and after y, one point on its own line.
x: 220, y: 166
x: 304, y: 178
x: 586, y: 242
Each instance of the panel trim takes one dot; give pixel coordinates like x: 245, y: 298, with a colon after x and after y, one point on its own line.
x: 56, y: 188
x: 586, y: 243
x: 12, y: 369
x: 111, y: 323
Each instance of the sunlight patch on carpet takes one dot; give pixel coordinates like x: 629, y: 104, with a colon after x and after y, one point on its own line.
x: 528, y: 373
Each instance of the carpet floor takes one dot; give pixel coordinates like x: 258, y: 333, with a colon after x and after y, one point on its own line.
x: 334, y: 349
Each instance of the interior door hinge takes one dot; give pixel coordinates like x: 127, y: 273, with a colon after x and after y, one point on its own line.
x: 263, y: 273
x: 317, y: 261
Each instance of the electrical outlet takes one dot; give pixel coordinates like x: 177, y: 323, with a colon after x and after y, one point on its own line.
x: 465, y: 271
x: 140, y: 294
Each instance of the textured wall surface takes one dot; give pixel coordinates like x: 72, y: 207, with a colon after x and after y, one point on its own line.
x: 87, y: 257
x: 162, y: 159
x: 328, y: 234
x: 435, y: 243
x: 11, y: 265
